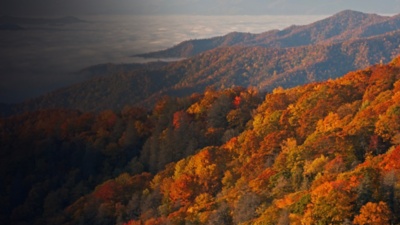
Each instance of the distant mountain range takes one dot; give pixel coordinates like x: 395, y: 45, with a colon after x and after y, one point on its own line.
x: 345, y: 25
x: 264, y: 68
x: 297, y: 55
x: 326, y: 152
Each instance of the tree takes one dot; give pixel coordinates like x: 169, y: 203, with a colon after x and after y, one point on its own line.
x: 222, y: 215
x: 331, y: 203
x: 218, y: 112
x: 183, y: 189
x: 246, y: 206
x: 373, y: 214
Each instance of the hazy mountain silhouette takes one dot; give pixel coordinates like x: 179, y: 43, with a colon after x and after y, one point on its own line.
x: 342, y: 26
x: 297, y: 55
x: 261, y: 67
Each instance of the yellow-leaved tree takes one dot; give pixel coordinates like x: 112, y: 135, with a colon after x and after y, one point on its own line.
x: 373, y: 214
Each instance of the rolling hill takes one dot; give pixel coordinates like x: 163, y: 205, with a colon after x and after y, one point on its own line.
x: 345, y: 25
x: 326, y: 152
x: 198, y: 141
x: 322, y: 153
x: 260, y: 67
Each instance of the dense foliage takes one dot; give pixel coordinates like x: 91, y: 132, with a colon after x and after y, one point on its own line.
x: 213, y: 152
x: 51, y: 158
x: 324, y: 153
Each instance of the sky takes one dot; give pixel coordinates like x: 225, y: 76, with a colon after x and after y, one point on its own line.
x: 194, y: 7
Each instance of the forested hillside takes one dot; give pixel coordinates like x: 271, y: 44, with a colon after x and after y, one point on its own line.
x: 345, y: 25
x: 326, y: 152
x: 323, y: 153
x: 267, y: 128
x: 263, y: 68
x: 51, y: 158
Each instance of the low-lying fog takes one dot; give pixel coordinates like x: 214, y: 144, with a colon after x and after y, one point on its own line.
x: 42, y: 58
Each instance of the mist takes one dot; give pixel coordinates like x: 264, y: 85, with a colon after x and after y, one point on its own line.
x: 42, y: 58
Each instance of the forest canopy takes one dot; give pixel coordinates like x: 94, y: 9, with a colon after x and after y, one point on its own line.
x: 326, y: 152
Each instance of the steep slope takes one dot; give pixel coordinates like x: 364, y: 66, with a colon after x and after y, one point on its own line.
x: 326, y: 152
x: 264, y: 68
x: 51, y: 158
x: 345, y: 25
x: 322, y: 153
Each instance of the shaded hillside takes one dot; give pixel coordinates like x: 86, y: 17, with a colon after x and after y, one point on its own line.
x: 326, y: 152
x: 89, y: 73
x: 345, y: 25
x: 51, y: 158
x: 323, y: 153
x: 110, y: 92
x: 108, y: 69
x: 264, y: 68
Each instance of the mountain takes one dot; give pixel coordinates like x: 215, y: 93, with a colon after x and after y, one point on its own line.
x: 264, y: 68
x: 51, y: 158
x: 326, y: 152
x: 323, y: 153
x: 206, y: 151
x: 345, y: 25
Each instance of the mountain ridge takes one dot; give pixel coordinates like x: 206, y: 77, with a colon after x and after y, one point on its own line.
x: 325, y: 152
x: 264, y: 68
x: 342, y: 26
x: 322, y: 145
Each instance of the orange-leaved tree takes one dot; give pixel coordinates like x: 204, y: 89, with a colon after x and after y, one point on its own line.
x: 373, y: 214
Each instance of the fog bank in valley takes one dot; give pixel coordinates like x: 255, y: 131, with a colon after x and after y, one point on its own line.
x: 42, y: 58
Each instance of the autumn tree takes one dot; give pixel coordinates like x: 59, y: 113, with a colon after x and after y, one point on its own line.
x: 245, y: 208
x: 373, y: 214
x: 331, y: 203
